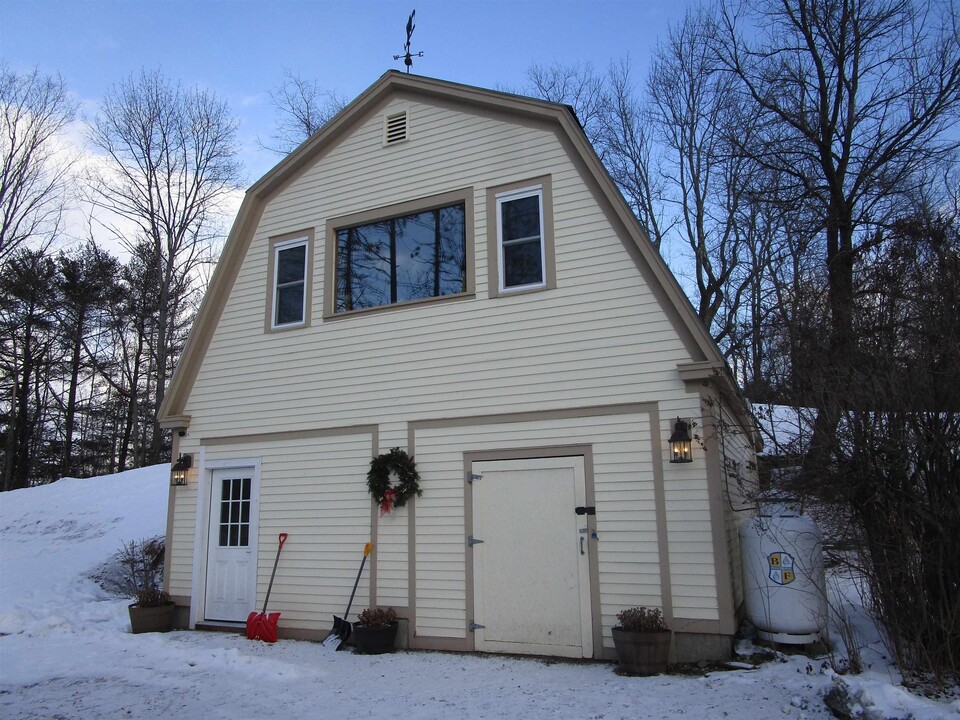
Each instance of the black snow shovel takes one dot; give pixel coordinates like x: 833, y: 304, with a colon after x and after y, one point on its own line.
x: 341, y: 626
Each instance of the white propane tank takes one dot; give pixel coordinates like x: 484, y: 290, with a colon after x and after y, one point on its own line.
x: 783, y: 576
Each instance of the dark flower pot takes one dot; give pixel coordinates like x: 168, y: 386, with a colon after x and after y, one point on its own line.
x: 375, y: 640
x: 151, y: 619
x: 642, y: 653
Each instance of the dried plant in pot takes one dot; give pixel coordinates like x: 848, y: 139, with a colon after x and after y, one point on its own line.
x: 375, y: 631
x: 151, y: 611
x: 642, y: 640
x: 142, y: 565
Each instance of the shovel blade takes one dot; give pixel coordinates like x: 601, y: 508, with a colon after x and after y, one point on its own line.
x: 339, y: 634
x: 262, y: 626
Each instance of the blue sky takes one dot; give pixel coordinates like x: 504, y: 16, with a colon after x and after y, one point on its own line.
x: 240, y: 48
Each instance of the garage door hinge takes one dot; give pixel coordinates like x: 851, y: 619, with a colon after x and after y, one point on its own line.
x: 471, y: 540
x: 473, y: 476
x: 474, y: 626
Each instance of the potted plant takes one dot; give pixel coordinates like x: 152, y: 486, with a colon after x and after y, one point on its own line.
x: 151, y: 611
x: 375, y: 631
x: 141, y: 577
x: 642, y: 640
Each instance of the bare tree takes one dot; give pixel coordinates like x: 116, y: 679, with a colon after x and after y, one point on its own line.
x: 619, y: 126
x: 170, y: 162
x: 303, y: 107
x: 697, y: 115
x: 856, y: 102
x: 633, y: 158
x: 897, y: 471
x: 580, y: 87
x: 855, y: 99
x: 34, y: 110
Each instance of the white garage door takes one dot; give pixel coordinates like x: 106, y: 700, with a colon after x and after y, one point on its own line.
x: 531, y: 570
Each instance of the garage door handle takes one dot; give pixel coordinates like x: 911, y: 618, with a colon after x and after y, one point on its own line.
x: 581, y: 545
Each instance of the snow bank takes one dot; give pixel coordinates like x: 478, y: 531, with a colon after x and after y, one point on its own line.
x: 66, y: 650
x: 53, y: 536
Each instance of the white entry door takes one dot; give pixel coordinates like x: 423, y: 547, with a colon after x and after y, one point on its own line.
x: 531, y: 570
x: 231, y: 559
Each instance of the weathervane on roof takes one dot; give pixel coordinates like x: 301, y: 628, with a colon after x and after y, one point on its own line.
x: 408, y: 56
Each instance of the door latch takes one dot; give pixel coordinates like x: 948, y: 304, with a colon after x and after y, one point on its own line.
x: 588, y: 510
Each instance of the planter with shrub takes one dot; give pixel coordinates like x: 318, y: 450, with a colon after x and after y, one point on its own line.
x: 151, y: 611
x: 140, y: 575
x: 642, y: 640
x: 375, y: 631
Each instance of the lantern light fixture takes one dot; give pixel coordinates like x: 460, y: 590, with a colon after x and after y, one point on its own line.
x: 178, y: 473
x: 680, y: 443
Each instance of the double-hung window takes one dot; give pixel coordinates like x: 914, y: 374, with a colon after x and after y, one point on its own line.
x: 409, y: 257
x: 521, y: 252
x: 290, y: 282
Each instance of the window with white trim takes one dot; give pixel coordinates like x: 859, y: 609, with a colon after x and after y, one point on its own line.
x: 520, y: 241
x: 289, y: 283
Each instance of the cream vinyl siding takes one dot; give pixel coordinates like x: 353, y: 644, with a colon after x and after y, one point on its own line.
x: 692, y: 569
x: 392, y: 560
x: 313, y: 489
x: 737, y: 452
x: 601, y: 337
x: 180, y: 547
x: 628, y: 549
x: 693, y: 579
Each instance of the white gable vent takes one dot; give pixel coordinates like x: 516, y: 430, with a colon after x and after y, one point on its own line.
x: 395, y: 128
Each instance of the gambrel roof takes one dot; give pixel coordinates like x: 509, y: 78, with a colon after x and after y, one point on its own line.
x: 558, y: 118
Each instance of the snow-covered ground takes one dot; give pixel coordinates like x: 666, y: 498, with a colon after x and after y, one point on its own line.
x: 66, y: 650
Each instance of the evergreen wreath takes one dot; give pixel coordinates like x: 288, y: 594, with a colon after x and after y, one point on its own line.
x: 378, y: 479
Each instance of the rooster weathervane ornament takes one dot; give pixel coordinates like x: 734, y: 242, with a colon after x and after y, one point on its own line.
x: 408, y: 56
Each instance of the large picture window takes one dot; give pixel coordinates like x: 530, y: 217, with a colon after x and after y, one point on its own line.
x: 401, y: 259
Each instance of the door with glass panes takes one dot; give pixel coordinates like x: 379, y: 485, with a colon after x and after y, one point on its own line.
x: 231, y: 561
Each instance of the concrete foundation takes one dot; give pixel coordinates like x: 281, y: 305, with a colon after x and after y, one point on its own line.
x: 694, y: 647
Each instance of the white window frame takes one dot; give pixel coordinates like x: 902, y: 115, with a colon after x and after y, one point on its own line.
x: 533, y: 190
x: 277, y: 249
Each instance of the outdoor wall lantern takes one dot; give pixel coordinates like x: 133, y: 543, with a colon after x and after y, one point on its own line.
x: 680, y: 443
x: 178, y: 473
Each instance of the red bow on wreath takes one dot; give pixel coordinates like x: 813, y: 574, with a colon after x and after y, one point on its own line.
x: 389, y: 498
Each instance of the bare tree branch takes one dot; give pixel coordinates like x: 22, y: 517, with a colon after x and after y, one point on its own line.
x: 303, y: 107
x: 33, y: 168
x: 171, y: 163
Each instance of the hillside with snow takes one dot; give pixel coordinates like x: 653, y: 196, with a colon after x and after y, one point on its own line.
x: 66, y: 650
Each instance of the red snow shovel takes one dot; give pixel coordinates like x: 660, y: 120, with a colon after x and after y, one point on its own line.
x: 263, y: 626
x: 341, y: 626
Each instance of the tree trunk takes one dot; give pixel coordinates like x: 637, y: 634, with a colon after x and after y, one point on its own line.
x: 70, y: 413
x: 164, y: 343
x: 837, y: 388
x: 18, y: 470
